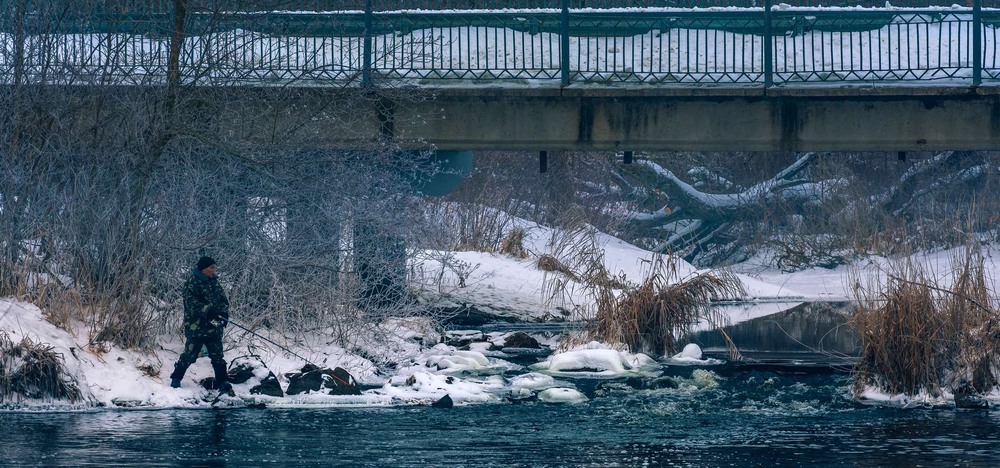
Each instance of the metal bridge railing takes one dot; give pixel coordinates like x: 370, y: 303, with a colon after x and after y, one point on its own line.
x: 558, y: 42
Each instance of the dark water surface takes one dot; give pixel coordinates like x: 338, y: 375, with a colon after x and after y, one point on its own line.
x: 733, y: 418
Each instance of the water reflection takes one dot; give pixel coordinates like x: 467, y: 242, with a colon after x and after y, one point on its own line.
x: 813, y: 328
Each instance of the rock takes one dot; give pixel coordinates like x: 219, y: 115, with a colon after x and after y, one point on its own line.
x: 971, y: 402
x: 444, y: 402
x: 120, y: 403
x: 662, y: 382
x: 242, y: 369
x: 690, y: 351
x: 522, y: 395
x: 312, y: 379
x: 245, y: 369
x: 561, y: 395
x: 341, y: 383
x: 460, y: 338
x: 524, y: 356
x: 521, y: 340
x: 966, y: 397
x: 269, y: 386
x: 208, y: 383
x: 308, y: 379
x: 612, y: 387
x: 635, y: 382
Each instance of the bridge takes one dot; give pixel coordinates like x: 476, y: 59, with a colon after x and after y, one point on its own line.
x: 548, y: 74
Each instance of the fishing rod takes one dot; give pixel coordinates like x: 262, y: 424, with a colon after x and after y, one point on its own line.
x: 286, y: 350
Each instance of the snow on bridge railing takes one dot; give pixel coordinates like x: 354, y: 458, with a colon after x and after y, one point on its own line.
x: 71, y: 7
x: 518, y: 42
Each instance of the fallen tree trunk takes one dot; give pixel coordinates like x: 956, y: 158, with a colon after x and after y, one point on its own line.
x: 692, y: 218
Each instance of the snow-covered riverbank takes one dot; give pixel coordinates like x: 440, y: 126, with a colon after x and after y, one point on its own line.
x: 425, y: 367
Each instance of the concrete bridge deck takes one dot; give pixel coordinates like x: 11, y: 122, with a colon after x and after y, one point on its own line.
x: 579, y: 118
x: 548, y: 79
x: 911, y: 118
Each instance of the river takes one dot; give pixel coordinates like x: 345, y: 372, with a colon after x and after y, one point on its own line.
x: 791, y: 409
x: 744, y: 418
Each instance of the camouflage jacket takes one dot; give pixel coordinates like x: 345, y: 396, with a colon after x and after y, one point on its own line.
x: 204, y: 301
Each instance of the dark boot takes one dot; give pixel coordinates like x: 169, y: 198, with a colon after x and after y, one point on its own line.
x: 221, y: 376
x: 175, y: 377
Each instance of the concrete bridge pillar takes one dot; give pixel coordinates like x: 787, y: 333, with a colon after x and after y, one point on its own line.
x: 380, y: 262
x: 311, y: 223
x: 380, y: 253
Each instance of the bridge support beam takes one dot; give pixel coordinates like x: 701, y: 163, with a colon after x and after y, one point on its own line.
x: 707, y: 119
x: 584, y: 119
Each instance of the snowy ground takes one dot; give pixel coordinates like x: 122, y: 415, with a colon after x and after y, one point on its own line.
x: 110, y: 377
x: 516, y: 287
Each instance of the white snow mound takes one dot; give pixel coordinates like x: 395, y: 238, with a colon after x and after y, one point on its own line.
x: 562, y: 395
x: 595, y: 359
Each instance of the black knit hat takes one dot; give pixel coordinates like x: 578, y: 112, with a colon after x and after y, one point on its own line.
x: 204, y: 262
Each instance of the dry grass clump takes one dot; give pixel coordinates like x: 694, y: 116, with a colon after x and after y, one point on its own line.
x: 596, y: 275
x: 917, y: 337
x: 899, y: 328
x: 652, y: 316
x: 649, y: 317
x: 972, y: 320
x: 513, y: 244
x: 32, y: 370
x: 549, y: 263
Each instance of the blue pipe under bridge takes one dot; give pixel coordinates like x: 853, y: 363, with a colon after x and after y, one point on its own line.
x: 440, y: 171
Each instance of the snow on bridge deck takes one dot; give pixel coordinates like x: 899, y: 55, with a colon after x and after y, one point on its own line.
x: 519, y: 47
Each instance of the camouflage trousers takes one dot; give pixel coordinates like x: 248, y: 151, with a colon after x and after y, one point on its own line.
x: 192, y: 347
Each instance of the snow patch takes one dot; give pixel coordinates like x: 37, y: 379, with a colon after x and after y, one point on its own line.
x: 562, y: 395
x: 597, y: 360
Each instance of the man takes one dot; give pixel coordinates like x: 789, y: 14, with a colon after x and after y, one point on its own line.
x: 206, y: 313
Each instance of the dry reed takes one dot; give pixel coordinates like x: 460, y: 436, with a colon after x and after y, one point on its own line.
x: 513, y: 244
x: 550, y: 263
x: 972, y: 320
x: 654, y: 315
x: 917, y: 337
x: 33, y: 370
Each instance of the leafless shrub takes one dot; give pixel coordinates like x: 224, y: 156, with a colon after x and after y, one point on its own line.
x: 449, y: 272
x: 121, y: 188
x: 62, y: 306
x: 577, y: 186
x: 793, y: 253
x: 34, y: 371
x: 471, y: 226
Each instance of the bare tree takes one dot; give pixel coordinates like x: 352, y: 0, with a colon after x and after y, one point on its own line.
x: 125, y: 156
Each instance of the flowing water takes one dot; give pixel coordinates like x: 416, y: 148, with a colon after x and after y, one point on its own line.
x: 747, y: 418
x: 780, y: 414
